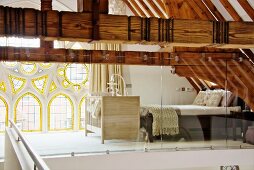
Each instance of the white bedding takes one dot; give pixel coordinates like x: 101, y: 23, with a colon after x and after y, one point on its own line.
x: 203, y: 110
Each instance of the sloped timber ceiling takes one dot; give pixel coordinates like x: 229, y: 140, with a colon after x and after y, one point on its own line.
x: 238, y: 77
x: 196, y: 30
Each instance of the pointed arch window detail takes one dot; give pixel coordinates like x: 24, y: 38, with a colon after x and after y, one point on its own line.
x: 3, y: 114
x: 28, y: 68
x: 28, y: 112
x: 82, y: 113
x: 17, y: 83
x: 60, y: 113
x: 40, y: 83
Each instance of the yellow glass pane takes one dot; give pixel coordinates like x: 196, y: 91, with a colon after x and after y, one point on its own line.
x: 17, y: 83
x: 2, y: 86
x: 40, y: 83
x: 28, y: 68
x: 52, y: 86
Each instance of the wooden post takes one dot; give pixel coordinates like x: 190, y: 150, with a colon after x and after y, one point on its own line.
x: 46, y: 5
x: 88, y: 6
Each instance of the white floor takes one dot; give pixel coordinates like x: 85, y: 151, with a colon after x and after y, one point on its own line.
x: 58, y: 143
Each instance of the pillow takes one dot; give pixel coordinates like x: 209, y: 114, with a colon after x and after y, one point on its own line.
x: 200, y: 98
x: 227, y: 99
x: 214, y: 99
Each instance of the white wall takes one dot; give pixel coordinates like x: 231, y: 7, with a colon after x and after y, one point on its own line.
x: 153, y: 82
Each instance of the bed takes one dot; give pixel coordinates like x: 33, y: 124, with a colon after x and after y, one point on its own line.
x: 178, y: 119
x: 208, y: 114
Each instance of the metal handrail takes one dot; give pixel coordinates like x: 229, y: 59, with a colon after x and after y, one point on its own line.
x: 38, y: 161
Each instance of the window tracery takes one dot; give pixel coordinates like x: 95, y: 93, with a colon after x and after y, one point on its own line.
x: 82, y: 113
x: 3, y: 114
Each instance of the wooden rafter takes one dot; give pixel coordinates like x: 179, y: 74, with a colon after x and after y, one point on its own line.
x: 231, y: 10
x: 145, y: 9
x: 137, y: 8
x: 194, y: 84
x: 155, y: 8
x: 198, y: 7
x: 214, y: 10
x: 247, y: 7
x: 131, y: 7
x: 161, y: 4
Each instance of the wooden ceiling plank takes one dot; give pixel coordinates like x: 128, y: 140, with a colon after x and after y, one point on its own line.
x: 145, y: 9
x: 156, y: 9
x: 247, y: 7
x: 131, y: 7
x: 172, y: 8
x: 231, y: 10
x: 199, y: 10
x: 204, y: 9
x: 161, y: 3
x: 214, y: 10
x: 137, y: 8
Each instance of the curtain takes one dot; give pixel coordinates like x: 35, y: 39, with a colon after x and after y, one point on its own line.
x: 100, y: 74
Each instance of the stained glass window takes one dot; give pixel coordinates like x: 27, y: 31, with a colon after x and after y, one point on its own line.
x: 60, y: 112
x: 28, y: 112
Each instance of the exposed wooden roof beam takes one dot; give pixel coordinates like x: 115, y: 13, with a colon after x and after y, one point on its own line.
x: 247, y: 7
x: 157, y: 12
x: 213, y: 10
x: 87, y: 6
x: 161, y: 5
x: 194, y: 84
x: 231, y: 10
x: 199, y: 8
x: 80, y: 27
x: 137, y: 8
x: 113, y: 57
x: 131, y: 7
x: 46, y: 5
x: 145, y: 8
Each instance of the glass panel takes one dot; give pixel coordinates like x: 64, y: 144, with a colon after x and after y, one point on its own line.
x: 191, y: 111
x: 240, y: 122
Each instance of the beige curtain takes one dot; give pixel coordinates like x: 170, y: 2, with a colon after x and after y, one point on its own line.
x: 100, y: 73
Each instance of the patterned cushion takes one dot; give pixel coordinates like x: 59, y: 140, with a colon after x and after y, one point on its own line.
x: 214, y: 99
x: 200, y: 98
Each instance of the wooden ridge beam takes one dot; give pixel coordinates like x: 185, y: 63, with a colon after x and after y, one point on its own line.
x: 114, y: 57
x: 51, y: 25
